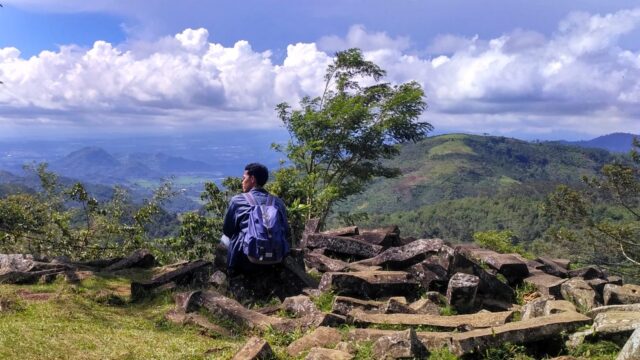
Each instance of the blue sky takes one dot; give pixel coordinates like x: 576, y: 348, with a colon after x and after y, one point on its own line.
x: 529, y: 69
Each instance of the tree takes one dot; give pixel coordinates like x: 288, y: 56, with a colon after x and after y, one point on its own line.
x: 595, y: 233
x: 340, y: 139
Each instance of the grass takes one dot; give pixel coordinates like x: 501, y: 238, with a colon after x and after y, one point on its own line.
x: 601, y: 350
x: 523, y: 290
x: 95, y: 320
x: 324, y: 302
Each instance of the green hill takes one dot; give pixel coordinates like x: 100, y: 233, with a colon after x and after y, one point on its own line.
x: 453, y: 185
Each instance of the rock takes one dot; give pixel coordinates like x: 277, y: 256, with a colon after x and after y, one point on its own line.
x: 588, y: 273
x: 386, y: 236
x: 563, y: 263
x: 489, y: 283
x: 400, y: 345
x: 551, y: 267
x: 461, y: 292
x: 597, y: 285
x: 300, y: 305
x: 580, y: 294
x: 255, y: 349
x: 615, y: 308
x: 343, y: 305
x: 547, y: 285
x: 218, y: 279
x: 312, y: 226
x: 140, y: 258
x: 519, y: 332
x: 370, y: 284
x: 578, y: 338
x: 510, y: 266
x: 359, y: 317
x: 396, y: 305
x: 188, y: 301
x: 318, y: 353
x: 225, y: 307
x: 616, y: 280
x: 431, y: 276
x: 625, y: 294
x: 431, y: 340
x: 195, y: 273
x: 631, y: 349
x: 290, y: 263
x: 324, y: 263
x: 558, y: 306
x: 425, y: 307
x: 182, y: 318
x: 344, y: 231
x: 30, y: 277
x: 347, y: 347
x: 404, y: 256
x: 616, y: 322
x: 321, y: 337
x: 16, y: 262
x: 534, y: 309
x: 343, y: 245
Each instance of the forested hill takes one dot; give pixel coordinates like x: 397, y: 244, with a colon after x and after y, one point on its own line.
x: 453, y: 185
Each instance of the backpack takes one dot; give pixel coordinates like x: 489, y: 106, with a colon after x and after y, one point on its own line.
x: 265, y: 238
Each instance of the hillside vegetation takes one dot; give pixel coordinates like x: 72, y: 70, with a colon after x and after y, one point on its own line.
x: 454, y: 185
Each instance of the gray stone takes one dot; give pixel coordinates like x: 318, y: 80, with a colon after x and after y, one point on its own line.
x: 396, y: 305
x: 509, y: 265
x: 625, y: 294
x: 386, y: 236
x: 461, y: 292
x: 479, y: 320
x: 195, y: 273
x: 343, y: 245
x: 255, y: 349
x: 614, y: 308
x: 431, y: 276
x: 344, y: 231
x: 547, y: 285
x: 534, y: 309
x: 370, y: 284
x: 320, y: 337
x: 489, y: 283
x: 616, y: 280
x: 400, y: 345
x: 318, y: 353
x: 616, y: 322
x: 558, y: 306
x: 230, y: 309
x: 343, y: 305
x: 580, y: 294
x: 140, y: 258
x: 404, y: 256
x: 550, y: 267
x: 182, y: 318
x: 588, y: 273
x: 299, y: 306
x: 218, y: 279
x: 312, y: 226
x: 425, y: 307
x: 631, y: 349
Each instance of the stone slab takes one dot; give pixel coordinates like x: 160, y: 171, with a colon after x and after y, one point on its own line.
x: 404, y: 256
x: 546, y: 284
x: 320, y: 337
x: 255, y: 349
x: 370, y: 284
x: 343, y: 245
x: 478, y: 320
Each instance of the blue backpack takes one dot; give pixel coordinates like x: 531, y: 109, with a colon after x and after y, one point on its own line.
x: 265, y: 240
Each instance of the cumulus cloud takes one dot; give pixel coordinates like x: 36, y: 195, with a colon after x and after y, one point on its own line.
x: 579, y: 79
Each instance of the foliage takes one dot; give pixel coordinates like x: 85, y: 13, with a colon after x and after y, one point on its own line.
x: 523, y: 291
x: 499, y: 241
x: 364, y: 350
x: 201, y: 231
x: 324, y: 302
x: 601, y: 350
x: 507, y: 351
x: 70, y: 222
x: 442, y: 354
x: 340, y: 139
x: 609, y: 237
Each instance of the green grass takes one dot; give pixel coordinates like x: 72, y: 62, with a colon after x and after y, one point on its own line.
x: 95, y: 320
x: 451, y: 147
x: 324, y: 302
x: 602, y: 350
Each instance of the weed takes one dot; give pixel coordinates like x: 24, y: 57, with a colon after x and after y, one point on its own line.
x: 601, y: 350
x: 281, y: 338
x: 507, y: 351
x: 442, y: 354
x: 523, y: 290
x: 324, y: 302
x: 364, y: 351
x: 448, y: 311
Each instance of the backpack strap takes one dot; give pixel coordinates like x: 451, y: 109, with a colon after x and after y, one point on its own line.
x: 270, y: 200
x: 250, y: 199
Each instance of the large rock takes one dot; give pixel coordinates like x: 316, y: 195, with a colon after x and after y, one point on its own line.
x: 625, y: 294
x: 547, y: 285
x: 579, y: 293
x: 299, y: 306
x: 344, y: 231
x: 478, y: 320
x: 461, y: 292
x: 519, y: 332
x: 386, y: 236
x: 138, y: 259
x: 588, y: 273
x: 182, y: 318
x: 318, y: 353
x: 404, y: 256
x: 396, y: 305
x: 370, y: 284
x: 399, y: 345
x: 322, y: 263
x: 431, y: 276
x: 489, y: 282
x: 613, y: 308
x: 551, y: 267
x: 431, y: 340
x: 320, y: 337
x: 425, y: 307
x: 631, y: 349
x: 225, y: 307
x: 343, y: 245
x: 343, y: 305
x: 509, y: 265
x: 255, y: 349
x: 616, y: 322
x: 195, y: 273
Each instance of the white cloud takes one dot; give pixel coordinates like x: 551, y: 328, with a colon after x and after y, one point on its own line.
x: 580, y: 79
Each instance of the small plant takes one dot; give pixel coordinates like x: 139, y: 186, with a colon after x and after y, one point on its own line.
x: 507, y: 351
x: 324, y: 302
x: 442, y: 354
x: 500, y: 241
x: 601, y: 350
x: 523, y: 291
x: 364, y: 351
x: 281, y: 338
x: 448, y: 311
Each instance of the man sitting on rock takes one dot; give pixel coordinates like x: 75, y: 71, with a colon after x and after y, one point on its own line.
x: 255, y: 226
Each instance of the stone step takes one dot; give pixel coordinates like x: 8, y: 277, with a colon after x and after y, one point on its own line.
x: 404, y: 256
x: 370, y: 284
x: 478, y: 320
x: 343, y: 245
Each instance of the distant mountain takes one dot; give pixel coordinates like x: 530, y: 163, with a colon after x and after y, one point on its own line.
x: 164, y: 163
x: 616, y: 142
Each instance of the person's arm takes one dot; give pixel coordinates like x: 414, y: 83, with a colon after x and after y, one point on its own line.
x: 229, y: 224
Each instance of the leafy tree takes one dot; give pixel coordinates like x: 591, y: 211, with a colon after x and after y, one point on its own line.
x: 340, y: 139
x: 597, y: 234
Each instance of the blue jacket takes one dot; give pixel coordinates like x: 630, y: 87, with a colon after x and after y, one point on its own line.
x: 236, y: 222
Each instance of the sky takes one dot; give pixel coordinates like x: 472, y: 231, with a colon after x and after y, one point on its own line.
x: 531, y: 69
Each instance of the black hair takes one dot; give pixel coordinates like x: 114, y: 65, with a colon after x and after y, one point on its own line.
x: 259, y: 171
